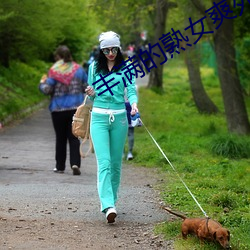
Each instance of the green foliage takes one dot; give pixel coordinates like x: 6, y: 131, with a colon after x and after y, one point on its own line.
x: 170, y: 230
x: 135, y: 17
x: 242, y: 23
x: 19, y: 87
x: 41, y: 29
x: 219, y: 183
x: 243, y: 61
x: 224, y: 200
x: 231, y: 146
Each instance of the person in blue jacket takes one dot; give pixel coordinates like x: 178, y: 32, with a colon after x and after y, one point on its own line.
x: 109, y: 124
x: 130, y: 133
x: 65, y: 83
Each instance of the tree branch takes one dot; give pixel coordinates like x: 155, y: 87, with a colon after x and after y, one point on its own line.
x: 201, y: 8
x: 172, y: 5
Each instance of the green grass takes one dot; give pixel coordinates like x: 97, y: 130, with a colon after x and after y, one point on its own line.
x: 19, y: 88
x: 214, y: 164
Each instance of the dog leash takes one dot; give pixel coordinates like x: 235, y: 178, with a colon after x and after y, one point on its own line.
x: 174, y: 169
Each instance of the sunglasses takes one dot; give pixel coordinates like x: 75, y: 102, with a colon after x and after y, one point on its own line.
x: 106, y: 51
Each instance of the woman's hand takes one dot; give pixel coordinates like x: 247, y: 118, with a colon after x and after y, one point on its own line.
x: 134, y: 109
x: 43, y: 79
x: 90, y: 91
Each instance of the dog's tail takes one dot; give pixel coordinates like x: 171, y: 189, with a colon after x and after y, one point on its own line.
x: 175, y: 213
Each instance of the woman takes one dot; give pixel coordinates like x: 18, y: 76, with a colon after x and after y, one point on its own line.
x: 109, y: 123
x: 65, y: 83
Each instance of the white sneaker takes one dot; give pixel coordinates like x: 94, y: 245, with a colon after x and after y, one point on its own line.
x: 130, y: 156
x: 111, y: 214
x: 58, y: 171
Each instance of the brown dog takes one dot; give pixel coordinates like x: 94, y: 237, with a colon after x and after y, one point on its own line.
x: 204, y: 229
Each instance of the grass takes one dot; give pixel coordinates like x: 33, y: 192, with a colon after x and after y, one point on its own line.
x: 19, y: 88
x: 214, y: 164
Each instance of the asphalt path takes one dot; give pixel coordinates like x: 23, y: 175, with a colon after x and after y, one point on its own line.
x: 31, y: 190
x: 26, y: 177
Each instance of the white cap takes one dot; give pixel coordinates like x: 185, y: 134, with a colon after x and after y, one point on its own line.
x: 109, y: 39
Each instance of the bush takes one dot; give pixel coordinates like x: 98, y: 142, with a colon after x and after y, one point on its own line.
x: 19, y: 88
x: 231, y: 146
x: 224, y: 200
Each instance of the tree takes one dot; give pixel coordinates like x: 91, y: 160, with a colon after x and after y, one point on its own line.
x: 242, y: 32
x: 162, y: 8
x: 128, y: 20
x: 28, y: 33
x: 235, y: 109
x: 202, y: 101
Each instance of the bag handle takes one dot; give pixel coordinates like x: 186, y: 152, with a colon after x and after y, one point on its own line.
x: 91, y: 148
x: 85, y: 99
x: 85, y: 139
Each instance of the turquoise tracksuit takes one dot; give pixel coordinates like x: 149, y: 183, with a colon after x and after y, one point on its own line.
x: 108, y: 131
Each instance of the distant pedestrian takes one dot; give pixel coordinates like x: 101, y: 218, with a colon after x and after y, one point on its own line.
x: 109, y: 123
x: 66, y: 83
x: 130, y: 133
x: 92, y: 57
x: 131, y: 129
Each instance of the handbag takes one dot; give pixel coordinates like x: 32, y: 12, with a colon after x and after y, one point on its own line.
x: 81, y: 126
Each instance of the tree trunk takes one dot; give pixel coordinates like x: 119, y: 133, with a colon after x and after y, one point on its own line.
x: 4, y: 51
x: 202, y: 101
x: 235, y: 109
x: 233, y: 98
x: 155, y: 77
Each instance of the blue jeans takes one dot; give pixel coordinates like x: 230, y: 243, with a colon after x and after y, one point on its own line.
x: 108, y: 139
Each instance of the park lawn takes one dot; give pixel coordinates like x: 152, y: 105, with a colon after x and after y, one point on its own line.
x: 189, y: 140
x: 220, y: 183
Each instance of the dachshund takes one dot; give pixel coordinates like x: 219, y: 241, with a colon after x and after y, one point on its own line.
x: 204, y: 229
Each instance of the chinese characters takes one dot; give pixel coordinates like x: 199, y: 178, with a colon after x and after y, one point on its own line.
x: 171, y: 42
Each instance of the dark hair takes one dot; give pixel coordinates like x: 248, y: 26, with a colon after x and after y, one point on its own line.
x: 101, y: 63
x: 64, y: 53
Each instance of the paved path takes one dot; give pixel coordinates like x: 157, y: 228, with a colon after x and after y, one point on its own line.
x: 26, y: 163
x: 30, y: 190
x: 142, y: 82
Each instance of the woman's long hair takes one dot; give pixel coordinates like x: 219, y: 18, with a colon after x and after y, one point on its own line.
x: 102, y: 66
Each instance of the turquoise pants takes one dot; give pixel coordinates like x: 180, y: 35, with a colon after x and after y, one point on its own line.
x: 108, y: 136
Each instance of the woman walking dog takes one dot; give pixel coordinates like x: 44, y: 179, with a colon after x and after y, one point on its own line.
x: 109, y: 123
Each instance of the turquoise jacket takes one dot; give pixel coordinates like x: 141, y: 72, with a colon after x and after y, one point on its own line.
x: 106, y: 99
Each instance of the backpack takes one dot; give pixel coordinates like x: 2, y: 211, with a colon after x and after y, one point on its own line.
x: 81, y: 126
